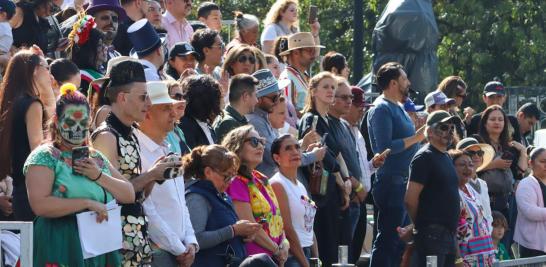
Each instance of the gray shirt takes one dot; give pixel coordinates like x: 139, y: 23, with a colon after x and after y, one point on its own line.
x: 197, y: 204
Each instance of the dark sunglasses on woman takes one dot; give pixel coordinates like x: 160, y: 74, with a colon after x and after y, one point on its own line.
x: 471, y: 153
x: 255, y: 141
x: 245, y: 58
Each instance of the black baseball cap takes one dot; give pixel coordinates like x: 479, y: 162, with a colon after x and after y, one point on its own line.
x: 182, y: 49
x: 494, y: 88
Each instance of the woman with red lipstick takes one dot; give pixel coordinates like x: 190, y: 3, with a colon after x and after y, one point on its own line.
x: 297, y: 209
x: 473, y: 235
x: 510, y: 158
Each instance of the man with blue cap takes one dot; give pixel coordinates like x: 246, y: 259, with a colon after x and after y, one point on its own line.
x: 269, y: 93
x: 148, y: 48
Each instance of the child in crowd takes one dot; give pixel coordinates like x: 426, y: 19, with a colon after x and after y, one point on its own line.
x: 273, y: 65
x: 209, y: 14
x: 7, y: 10
x: 500, y: 226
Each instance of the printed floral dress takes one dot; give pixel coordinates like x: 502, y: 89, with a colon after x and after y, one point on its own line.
x: 473, y: 237
x: 56, y: 240
x: 259, y: 194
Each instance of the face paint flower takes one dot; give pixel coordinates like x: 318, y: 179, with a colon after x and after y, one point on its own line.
x: 73, y: 124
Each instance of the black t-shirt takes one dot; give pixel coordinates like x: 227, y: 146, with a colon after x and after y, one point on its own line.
x: 439, y: 199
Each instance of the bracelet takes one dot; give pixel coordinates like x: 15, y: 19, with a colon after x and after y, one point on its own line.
x: 359, y: 188
x: 459, y: 260
x: 98, y: 177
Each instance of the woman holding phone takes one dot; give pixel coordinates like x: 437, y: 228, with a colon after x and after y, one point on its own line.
x: 510, y: 158
x: 58, y: 188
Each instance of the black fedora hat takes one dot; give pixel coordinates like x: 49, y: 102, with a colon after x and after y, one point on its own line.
x: 143, y: 37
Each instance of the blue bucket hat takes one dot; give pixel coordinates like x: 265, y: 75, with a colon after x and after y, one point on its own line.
x: 267, y: 83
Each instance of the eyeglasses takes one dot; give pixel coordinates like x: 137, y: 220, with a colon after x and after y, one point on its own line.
x: 226, y: 177
x: 345, y: 97
x: 178, y: 96
x: 143, y: 97
x: 245, y: 58
x: 255, y: 141
x: 274, y: 98
x: 114, y: 18
x: 478, y: 153
x: 221, y: 45
x: 444, y: 127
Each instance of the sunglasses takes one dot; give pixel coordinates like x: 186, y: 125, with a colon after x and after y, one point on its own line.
x: 275, y: 98
x: 226, y: 177
x: 114, y: 18
x: 245, y: 58
x: 445, y: 127
x: 221, y: 45
x: 345, y: 97
x: 178, y: 96
x: 255, y: 141
x: 478, y: 153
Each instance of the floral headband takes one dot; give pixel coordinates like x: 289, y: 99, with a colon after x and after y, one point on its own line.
x: 81, y: 30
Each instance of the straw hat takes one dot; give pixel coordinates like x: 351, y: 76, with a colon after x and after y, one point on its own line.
x: 488, y: 151
x: 300, y: 40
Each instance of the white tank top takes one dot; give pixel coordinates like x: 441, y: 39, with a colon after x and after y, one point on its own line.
x: 302, y: 208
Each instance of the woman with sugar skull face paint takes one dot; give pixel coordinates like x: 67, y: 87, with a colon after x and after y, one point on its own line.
x: 59, y: 187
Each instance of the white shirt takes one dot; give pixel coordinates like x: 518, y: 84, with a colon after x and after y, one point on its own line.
x: 150, y: 70
x: 6, y: 37
x: 302, y: 208
x: 206, y: 130
x: 169, y: 219
x: 365, y: 165
x: 483, y: 198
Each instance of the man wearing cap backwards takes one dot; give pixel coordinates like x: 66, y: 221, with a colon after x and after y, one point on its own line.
x: 481, y: 155
x: 148, y: 47
x: 269, y: 93
x: 432, y: 196
x: 170, y: 229
x: 302, y: 52
x: 437, y: 100
x: 493, y: 94
x: 390, y: 127
x: 116, y: 140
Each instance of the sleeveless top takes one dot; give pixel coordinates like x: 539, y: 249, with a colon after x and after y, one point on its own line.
x: 302, y: 208
x: 136, y: 245
x: 32, y: 31
x: 221, y: 215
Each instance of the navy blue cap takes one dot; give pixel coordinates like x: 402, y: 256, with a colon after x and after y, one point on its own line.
x: 143, y: 37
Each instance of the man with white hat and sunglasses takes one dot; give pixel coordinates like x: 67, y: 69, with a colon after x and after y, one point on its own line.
x: 170, y: 228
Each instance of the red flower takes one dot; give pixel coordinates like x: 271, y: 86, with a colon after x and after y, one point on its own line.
x: 52, y: 265
x: 62, y: 189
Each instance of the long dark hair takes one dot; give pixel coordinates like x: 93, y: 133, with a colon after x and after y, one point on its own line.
x: 18, y: 82
x: 85, y: 56
x: 504, y: 138
x: 203, y: 97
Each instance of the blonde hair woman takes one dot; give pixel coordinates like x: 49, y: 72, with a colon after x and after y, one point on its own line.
x: 282, y: 19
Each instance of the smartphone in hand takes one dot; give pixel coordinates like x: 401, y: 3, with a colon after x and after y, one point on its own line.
x: 313, y: 14
x: 78, y: 153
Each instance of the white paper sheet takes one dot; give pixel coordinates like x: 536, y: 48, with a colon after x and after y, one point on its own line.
x: 100, y: 238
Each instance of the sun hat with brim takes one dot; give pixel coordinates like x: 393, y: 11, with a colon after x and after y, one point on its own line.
x: 159, y: 93
x: 488, y: 151
x: 300, y: 40
x: 441, y: 116
x: 267, y: 83
x: 99, y: 5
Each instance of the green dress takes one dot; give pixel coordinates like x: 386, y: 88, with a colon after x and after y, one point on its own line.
x: 56, y: 240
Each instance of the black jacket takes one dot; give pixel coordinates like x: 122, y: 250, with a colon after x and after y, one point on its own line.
x: 195, y: 136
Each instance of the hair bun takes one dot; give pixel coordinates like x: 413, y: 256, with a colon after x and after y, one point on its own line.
x: 68, y: 89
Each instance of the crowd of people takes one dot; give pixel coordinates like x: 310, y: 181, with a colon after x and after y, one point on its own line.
x: 236, y: 155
